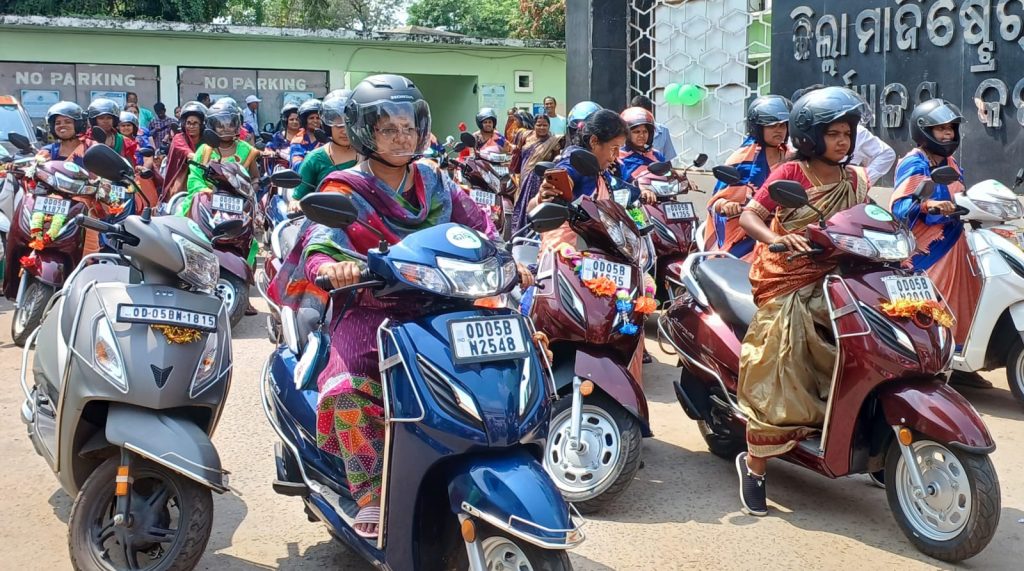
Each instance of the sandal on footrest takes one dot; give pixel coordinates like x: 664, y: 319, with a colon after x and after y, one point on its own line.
x: 370, y: 515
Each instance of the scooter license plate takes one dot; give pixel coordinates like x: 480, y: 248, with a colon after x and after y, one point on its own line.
x: 53, y: 206
x: 482, y: 197
x: 157, y: 315
x: 910, y: 288
x: 500, y: 170
x: 679, y: 211
x: 594, y: 268
x: 622, y: 197
x: 482, y: 339
x: 232, y: 204
x: 116, y: 193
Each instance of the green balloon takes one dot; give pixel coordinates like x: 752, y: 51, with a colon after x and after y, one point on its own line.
x: 690, y: 94
x: 672, y: 93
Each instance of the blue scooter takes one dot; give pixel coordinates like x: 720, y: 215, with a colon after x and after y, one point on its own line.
x: 466, y: 398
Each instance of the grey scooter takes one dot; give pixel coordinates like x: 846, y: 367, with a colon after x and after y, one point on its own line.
x: 131, y: 368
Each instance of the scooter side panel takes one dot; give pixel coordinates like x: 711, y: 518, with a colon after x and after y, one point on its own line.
x: 603, y: 368
x: 51, y: 268
x: 234, y: 264
x: 703, y: 336
x: 937, y: 412
x: 1001, y: 290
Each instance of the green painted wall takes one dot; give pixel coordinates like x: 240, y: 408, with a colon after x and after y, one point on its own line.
x: 447, y: 73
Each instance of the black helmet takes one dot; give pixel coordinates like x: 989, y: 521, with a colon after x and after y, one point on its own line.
x: 104, y: 106
x: 332, y: 110
x: 766, y: 110
x: 225, y: 118
x: 525, y: 119
x: 193, y: 108
x: 484, y: 114
x: 384, y: 96
x: 816, y: 110
x: 68, y: 109
x: 933, y: 113
x: 288, y: 109
x: 577, y: 118
x: 307, y: 108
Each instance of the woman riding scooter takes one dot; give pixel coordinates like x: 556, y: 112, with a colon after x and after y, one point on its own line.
x: 786, y: 363
x: 66, y: 121
x: 336, y: 155
x: 305, y: 140
x: 389, y: 124
x: 288, y: 129
x: 638, y: 152
x: 183, y: 147
x: 106, y: 114
x: 763, y: 150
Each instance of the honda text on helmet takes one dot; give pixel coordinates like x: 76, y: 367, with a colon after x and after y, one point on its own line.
x: 388, y: 120
x: 764, y: 111
x: 930, y: 114
x: 815, y: 111
x: 67, y: 109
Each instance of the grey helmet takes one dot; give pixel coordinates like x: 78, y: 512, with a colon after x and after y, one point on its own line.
x: 194, y: 108
x: 485, y: 114
x: 332, y: 110
x: 130, y: 118
x: 104, y: 106
x: 307, y: 108
x: 68, y: 109
x: 382, y: 96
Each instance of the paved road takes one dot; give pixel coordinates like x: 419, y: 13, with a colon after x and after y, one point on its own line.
x: 682, y: 512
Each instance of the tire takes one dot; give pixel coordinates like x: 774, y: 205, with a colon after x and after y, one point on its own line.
x: 28, y: 317
x: 93, y: 505
x: 719, y: 443
x: 235, y: 292
x: 503, y: 551
x: 963, y: 532
x: 1015, y: 369
x: 613, y: 475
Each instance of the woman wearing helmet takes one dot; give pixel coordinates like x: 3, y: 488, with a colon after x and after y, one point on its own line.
x: 784, y: 394
x: 763, y: 150
x: 128, y: 127
x: 106, y: 114
x: 389, y: 125
x: 336, y: 155
x: 225, y: 119
x: 942, y: 247
x: 305, y: 140
x: 183, y: 147
x: 577, y: 117
x: 488, y: 139
x: 638, y: 152
x: 287, y: 129
x: 66, y: 121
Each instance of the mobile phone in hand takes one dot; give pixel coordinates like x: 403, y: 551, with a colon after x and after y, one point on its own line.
x: 559, y: 178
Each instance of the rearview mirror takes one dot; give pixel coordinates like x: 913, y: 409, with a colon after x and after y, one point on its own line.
x: 40, y: 133
x: 547, y: 216
x: 266, y: 137
x: 98, y: 134
x: 468, y: 140
x: 585, y: 163
x: 542, y: 167
x: 700, y: 160
x: 331, y: 209
x: 924, y: 190
x: 788, y: 193
x: 20, y: 141
x: 1020, y: 178
x: 147, y: 152
x: 727, y: 175
x: 210, y: 138
x: 286, y: 178
x: 945, y: 175
x: 104, y: 162
x: 459, y: 147
x: 268, y: 127
x: 228, y: 229
x: 321, y: 136
x: 661, y: 168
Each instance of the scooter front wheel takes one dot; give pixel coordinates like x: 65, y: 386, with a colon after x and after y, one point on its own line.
x: 958, y: 512
x: 608, y: 456
x: 234, y: 292
x: 1015, y: 369
x: 502, y: 551
x: 29, y: 314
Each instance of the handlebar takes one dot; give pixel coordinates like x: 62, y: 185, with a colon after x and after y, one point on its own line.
x: 295, y: 215
x: 365, y: 280
x: 958, y: 211
x: 97, y: 225
x: 778, y: 248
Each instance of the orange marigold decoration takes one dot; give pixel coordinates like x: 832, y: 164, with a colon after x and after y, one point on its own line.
x: 921, y: 312
x: 645, y: 305
x: 601, y: 286
x: 179, y: 335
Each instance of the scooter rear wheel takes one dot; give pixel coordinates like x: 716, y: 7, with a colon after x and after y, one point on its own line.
x: 28, y: 317
x: 1015, y: 369
x: 959, y: 513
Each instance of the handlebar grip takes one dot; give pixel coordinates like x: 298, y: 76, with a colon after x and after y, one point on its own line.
x: 934, y: 210
x: 94, y: 224
x: 295, y: 215
x: 777, y: 248
x: 324, y: 283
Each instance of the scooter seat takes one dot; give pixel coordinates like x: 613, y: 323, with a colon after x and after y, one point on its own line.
x: 726, y: 283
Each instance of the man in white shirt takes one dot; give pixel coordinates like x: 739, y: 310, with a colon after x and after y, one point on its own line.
x: 556, y: 120
x: 251, y: 114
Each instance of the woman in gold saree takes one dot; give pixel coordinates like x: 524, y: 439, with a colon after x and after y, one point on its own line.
x: 788, y: 355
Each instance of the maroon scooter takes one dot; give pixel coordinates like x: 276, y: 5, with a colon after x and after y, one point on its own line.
x: 594, y: 444
x: 44, y: 244
x: 890, y: 411
x: 486, y: 178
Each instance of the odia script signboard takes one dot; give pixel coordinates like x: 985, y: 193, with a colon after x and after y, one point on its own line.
x: 899, y: 52
x: 274, y: 87
x: 40, y: 83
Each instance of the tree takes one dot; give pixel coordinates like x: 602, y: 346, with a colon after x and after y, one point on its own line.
x: 482, y: 18
x: 368, y: 15
x: 540, y: 20
x: 174, y: 10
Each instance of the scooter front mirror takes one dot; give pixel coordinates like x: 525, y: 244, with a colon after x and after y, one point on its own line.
x: 331, y: 209
x: 321, y: 136
x: 266, y: 137
x: 542, y: 167
x: 468, y: 140
x: 286, y: 178
x: 730, y: 176
x: 147, y: 152
x: 548, y: 216
x: 700, y: 160
x: 228, y: 229
x: 20, y: 141
x: 98, y: 135
x: 945, y: 175
x: 585, y: 162
x: 787, y: 193
x: 661, y: 168
x: 104, y: 162
x: 210, y: 138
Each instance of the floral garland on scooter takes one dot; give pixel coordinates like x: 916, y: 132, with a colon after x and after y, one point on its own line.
x: 604, y: 287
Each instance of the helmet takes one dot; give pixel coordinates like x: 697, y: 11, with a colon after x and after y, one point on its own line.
x: 525, y: 119
x: 636, y: 117
x: 288, y: 109
x: 103, y: 106
x: 225, y: 118
x: 766, y: 110
x: 307, y: 108
x: 68, y: 109
x: 193, y: 108
x: 578, y: 116
x: 484, y: 114
x: 816, y: 110
x: 332, y: 110
x: 226, y: 101
x: 379, y: 97
x: 933, y: 113
x: 131, y: 118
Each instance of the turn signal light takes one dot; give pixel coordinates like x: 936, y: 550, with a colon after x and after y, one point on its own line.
x: 905, y: 436
x: 468, y: 531
x: 586, y: 387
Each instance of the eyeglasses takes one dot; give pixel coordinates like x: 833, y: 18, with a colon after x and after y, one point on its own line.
x: 191, y: 123
x: 394, y: 133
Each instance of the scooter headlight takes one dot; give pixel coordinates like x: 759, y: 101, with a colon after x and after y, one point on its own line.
x: 107, y: 356
x: 201, y: 266
x: 206, y: 371
x: 626, y: 239
x: 473, y: 280
x: 422, y: 276
x: 1003, y: 209
x: 890, y: 246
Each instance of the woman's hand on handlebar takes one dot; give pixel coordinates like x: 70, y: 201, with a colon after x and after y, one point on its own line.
x: 793, y: 242
x: 341, y: 274
x: 648, y: 197
x: 944, y: 207
x: 730, y: 208
x: 525, y: 276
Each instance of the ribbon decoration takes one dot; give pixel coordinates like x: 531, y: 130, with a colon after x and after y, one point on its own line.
x: 922, y: 313
x: 604, y: 287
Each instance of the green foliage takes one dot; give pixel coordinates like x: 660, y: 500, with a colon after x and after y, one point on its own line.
x: 527, y: 19
x: 541, y: 20
x: 175, y: 10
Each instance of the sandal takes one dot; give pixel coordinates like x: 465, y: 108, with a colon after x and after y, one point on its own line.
x: 370, y: 515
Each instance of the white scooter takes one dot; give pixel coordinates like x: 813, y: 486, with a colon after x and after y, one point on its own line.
x: 996, y: 337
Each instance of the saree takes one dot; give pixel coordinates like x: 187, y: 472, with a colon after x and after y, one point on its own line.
x: 942, y: 248
x: 786, y: 361
x: 181, y: 149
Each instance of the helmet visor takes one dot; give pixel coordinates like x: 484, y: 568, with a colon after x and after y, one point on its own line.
x: 332, y: 116
x: 394, y: 129
x: 942, y: 115
x: 224, y: 124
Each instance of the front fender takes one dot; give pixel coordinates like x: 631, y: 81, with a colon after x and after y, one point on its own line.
x: 513, y: 493
x: 615, y: 380
x: 936, y: 411
x: 234, y: 265
x: 50, y: 268
x: 171, y: 441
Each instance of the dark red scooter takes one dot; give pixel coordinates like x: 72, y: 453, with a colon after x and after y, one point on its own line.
x: 890, y: 411
x: 594, y: 445
x: 487, y: 180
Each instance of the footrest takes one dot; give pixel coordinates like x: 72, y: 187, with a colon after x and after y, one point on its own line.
x: 289, y: 488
